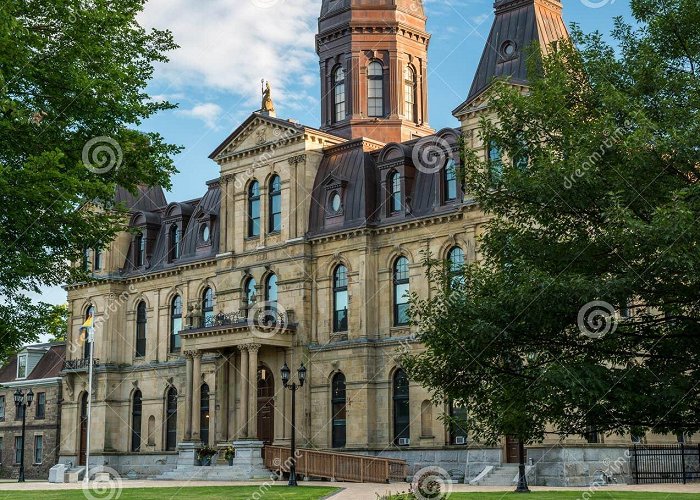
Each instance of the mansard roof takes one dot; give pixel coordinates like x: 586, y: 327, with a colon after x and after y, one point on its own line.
x: 146, y: 198
x: 518, y: 25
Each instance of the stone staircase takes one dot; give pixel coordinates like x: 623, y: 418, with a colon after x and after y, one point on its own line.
x: 213, y: 472
x: 503, y: 475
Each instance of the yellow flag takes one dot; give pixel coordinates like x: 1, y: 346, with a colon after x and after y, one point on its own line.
x: 88, y: 322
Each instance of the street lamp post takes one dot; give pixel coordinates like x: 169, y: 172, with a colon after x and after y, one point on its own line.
x: 22, y: 402
x: 286, y: 372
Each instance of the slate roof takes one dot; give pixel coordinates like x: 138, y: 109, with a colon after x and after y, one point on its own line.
x: 49, y: 366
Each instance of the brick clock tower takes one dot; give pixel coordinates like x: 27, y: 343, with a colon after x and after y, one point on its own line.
x: 374, y: 78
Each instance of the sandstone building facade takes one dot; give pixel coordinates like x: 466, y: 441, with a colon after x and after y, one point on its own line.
x: 315, y: 233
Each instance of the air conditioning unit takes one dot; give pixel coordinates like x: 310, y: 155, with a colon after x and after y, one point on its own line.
x: 404, y: 441
x: 460, y: 440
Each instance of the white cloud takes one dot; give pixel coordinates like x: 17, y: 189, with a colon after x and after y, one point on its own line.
x: 208, y: 112
x: 230, y: 45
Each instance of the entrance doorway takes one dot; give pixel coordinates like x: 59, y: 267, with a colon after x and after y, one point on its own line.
x: 512, y: 450
x: 266, y: 405
x: 82, y: 448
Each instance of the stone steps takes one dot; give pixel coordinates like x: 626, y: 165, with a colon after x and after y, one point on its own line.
x: 504, y: 475
x: 213, y: 473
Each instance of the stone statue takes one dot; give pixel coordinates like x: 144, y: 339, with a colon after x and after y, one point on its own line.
x: 268, y: 107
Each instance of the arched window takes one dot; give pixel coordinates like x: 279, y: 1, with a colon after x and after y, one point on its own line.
x: 174, y: 243
x: 97, y: 259
x: 394, y: 192
x: 426, y: 419
x: 495, y: 162
x: 171, y: 420
x: 401, y: 290
x: 338, y: 405
x: 375, y: 89
x: 204, y: 415
x: 456, y: 258
x: 175, y: 323
x: 270, y: 317
x: 151, y: 431
x: 208, y: 307
x: 409, y: 93
x: 84, y: 335
x: 140, y: 330
x: 450, y: 180
x: 140, y: 246
x: 340, y: 299
x: 275, y: 208
x: 136, y: 411
x: 254, y: 209
x: 339, y: 94
x: 458, y: 412
x: 400, y: 398
x: 250, y: 292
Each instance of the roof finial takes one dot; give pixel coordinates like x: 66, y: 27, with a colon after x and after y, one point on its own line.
x: 268, y: 107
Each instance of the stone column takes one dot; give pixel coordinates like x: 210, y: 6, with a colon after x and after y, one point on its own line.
x: 253, y: 390
x: 196, y: 394
x: 222, y: 398
x: 233, y: 414
x: 243, y: 394
x: 188, y: 395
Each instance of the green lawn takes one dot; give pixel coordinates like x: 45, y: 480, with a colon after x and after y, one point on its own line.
x: 198, y: 493
x: 599, y: 494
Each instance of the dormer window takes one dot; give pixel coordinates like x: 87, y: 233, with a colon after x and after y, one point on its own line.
x: 140, y: 249
x: 174, y: 242
x: 204, y: 233
x: 22, y: 366
x: 395, y: 201
x: 450, y: 180
x: 335, y: 203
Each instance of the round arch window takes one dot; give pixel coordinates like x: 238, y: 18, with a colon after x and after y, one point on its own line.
x: 204, y: 233
x: 508, y: 48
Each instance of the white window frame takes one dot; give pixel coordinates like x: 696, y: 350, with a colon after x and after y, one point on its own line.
x: 21, y: 357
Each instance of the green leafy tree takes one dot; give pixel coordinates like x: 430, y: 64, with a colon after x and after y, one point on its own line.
x: 584, y: 312
x: 73, y: 75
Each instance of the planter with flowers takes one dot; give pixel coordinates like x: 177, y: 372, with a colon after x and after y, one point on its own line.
x: 205, y: 454
x: 229, y: 453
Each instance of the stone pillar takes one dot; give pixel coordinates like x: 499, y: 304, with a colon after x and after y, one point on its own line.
x: 222, y: 386
x: 233, y: 414
x: 196, y: 394
x: 188, y: 395
x: 253, y: 390
x: 243, y: 394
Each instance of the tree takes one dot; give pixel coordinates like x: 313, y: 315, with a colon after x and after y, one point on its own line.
x: 72, y: 87
x: 583, y: 313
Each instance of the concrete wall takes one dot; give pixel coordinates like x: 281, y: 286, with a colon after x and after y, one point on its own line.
x: 579, y: 465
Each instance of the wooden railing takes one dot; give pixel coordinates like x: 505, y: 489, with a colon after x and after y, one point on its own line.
x: 336, y: 466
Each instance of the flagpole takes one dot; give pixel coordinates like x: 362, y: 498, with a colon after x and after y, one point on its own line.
x: 91, y: 344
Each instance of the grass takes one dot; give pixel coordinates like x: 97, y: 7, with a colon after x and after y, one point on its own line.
x: 599, y: 494
x: 198, y: 493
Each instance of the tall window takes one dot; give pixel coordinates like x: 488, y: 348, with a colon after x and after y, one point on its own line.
x: 394, y: 192
x: 495, y: 162
x: 340, y: 299
x: 41, y: 405
x: 86, y: 259
x: 401, y: 290
x: 2, y: 408
x: 140, y: 246
x: 136, y: 412
x: 208, y: 307
x: 339, y: 94
x: 250, y: 292
x: 254, y: 209
x: 97, y: 259
x: 18, y: 449
x: 171, y: 420
x: 271, y: 299
x: 450, y: 180
x: 38, y: 449
x: 375, y: 89
x: 409, y: 93
x: 456, y: 258
x: 338, y: 405
x: 275, y: 224
x: 174, y: 243
x: 204, y: 415
x: 175, y: 323
x: 459, y: 414
x: 140, y: 330
x: 84, y: 333
x: 22, y: 366
x: 401, y: 406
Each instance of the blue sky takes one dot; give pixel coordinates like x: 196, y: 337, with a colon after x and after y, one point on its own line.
x: 228, y: 46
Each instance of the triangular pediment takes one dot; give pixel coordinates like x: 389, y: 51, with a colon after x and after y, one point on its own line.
x: 258, y: 131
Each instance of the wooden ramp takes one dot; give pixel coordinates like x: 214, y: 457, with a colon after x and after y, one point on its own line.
x: 336, y: 466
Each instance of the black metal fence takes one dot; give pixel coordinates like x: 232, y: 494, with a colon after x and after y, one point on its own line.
x: 661, y: 463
